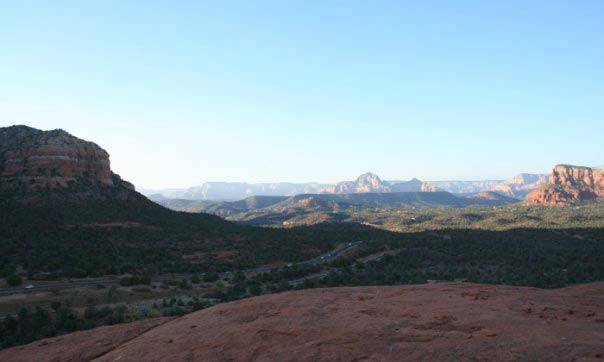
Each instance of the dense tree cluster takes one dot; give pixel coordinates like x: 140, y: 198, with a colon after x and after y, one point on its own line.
x: 527, y: 257
x: 29, y: 326
x: 114, y: 237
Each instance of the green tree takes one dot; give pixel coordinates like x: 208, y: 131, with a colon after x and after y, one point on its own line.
x: 24, y: 327
x: 210, y: 277
x: 255, y: 289
x: 39, y: 320
x: 195, y: 279
x: 239, y: 276
x: 14, y: 280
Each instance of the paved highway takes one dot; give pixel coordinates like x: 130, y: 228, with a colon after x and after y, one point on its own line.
x: 324, y: 273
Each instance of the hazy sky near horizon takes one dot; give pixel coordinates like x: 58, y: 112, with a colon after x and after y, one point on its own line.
x: 190, y: 91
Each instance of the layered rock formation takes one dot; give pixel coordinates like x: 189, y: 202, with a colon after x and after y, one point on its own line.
x: 569, y: 184
x: 432, y: 322
x: 517, y: 187
x: 371, y: 183
x: 577, y: 176
x: 429, y: 187
x: 466, y: 187
x: 520, y: 185
x: 367, y: 182
x: 32, y: 160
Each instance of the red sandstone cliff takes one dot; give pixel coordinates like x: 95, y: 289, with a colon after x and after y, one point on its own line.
x: 32, y: 160
x: 569, y: 184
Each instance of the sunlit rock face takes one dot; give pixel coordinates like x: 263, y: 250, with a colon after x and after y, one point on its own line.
x: 569, y: 184
x: 32, y: 159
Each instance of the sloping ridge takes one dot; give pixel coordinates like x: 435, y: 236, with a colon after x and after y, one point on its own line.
x: 397, y: 199
x: 248, y: 204
x: 448, y: 321
x: 222, y: 208
x: 334, y: 201
x: 59, y: 197
x: 54, y: 178
x: 494, y: 197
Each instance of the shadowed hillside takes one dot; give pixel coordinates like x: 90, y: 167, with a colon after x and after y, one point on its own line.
x: 63, y: 211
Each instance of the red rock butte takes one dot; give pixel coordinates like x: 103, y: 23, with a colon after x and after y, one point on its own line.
x: 31, y: 159
x: 568, y: 185
x: 433, y: 322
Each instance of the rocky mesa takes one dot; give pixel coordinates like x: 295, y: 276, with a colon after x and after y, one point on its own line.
x: 569, y: 184
x: 31, y: 159
x: 431, y: 322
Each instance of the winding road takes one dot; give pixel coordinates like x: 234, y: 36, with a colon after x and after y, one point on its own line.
x: 48, y: 286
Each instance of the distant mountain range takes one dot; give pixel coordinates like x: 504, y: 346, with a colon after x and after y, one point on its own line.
x: 314, y: 208
x: 63, y: 210
x: 517, y: 187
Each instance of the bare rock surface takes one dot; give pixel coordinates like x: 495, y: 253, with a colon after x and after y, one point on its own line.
x: 32, y: 159
x: 433, y: 322
x: 80, y: 346
x: 367, y: 182
x: 569, y: 184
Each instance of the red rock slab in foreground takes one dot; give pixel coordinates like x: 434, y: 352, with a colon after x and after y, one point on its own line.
x: 80, y: 346
x: 435, y: 322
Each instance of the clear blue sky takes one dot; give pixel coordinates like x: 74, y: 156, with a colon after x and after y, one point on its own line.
x: 184, y: 92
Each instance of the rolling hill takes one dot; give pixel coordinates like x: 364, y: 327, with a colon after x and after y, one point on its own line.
x: 63, y: 211
x: 316, y: 208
